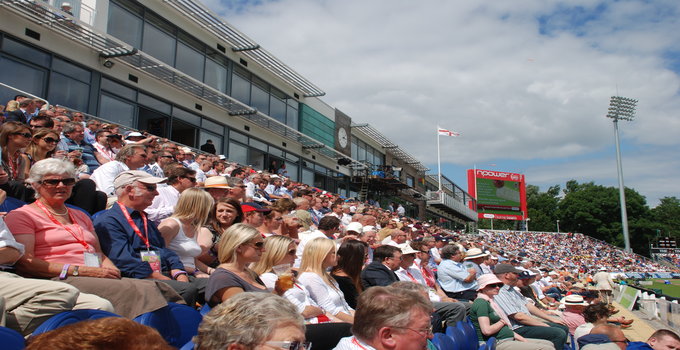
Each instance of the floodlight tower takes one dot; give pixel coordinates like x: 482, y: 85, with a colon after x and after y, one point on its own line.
x: 621, y: 108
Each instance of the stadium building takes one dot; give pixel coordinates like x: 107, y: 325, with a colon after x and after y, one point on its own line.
x: 179, y: 71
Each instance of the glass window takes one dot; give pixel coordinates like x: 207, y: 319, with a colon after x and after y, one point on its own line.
x: 216, y: 140
x: 292, y: 169
x: 71, y: 70
x: 238, y: 153
x: 307, y: 176
x: 154, y: 103
x: 233, y: 135
x: 240, y: 88
x: 124, y: 25
x: 292, y: 157
x: 186, y: 116
x: 117, y: 111
x: 259, y: 99
x: 159, y: 44
x: 292, y: 118
x: 275, y: 151
x: 216, y: 75
x: 278, y: 109
x: 212, y: 126
x: 319, y: 181
x: 256, y: 159
x: 258, y: 144
x: 189, y: 61
x: 26, y: 52
x: 410, y: 180
x: 68, y: 92
x: 23, y: 77
x: 355, y: 150
x: 119, y: 89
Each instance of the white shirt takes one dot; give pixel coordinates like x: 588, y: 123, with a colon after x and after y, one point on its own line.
x: 105, y: 174
x: 352, y: 343
x: 413, y: 274
x: 250, y: 189
x: 186, y: 248
x: 7, y: 240
x: 163, y: 205
x: 298, y: 295
x: 328, y: 298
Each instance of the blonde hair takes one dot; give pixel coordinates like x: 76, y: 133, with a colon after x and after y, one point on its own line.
x: 275, y: 249
x: 235, y: 236
x: 195, y: 204
x: 313, y: 256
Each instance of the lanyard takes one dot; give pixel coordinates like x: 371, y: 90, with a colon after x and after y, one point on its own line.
x: 80, y: 239
x: 411, y: 276
x: 145, y: 237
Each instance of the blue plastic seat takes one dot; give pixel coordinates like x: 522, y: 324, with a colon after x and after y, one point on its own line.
x: 70, y: 317
x: 10, y: 204
x: 444, y: 342
x: 491, y: 344
x: 456, y: 336
x: 470, y: 340
x: 483, y: 347
x: 188, y: 346
x: 205, y: 309
x: 176, y: 323
x: 11, y: 339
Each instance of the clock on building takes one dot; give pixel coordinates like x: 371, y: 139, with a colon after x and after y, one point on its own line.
x: 342, y: 137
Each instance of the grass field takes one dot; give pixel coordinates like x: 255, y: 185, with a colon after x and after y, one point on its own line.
x: 672, y: 289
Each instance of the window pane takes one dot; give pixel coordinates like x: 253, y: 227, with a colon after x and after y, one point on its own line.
x: 186, y: 116
x: 154, y: 103
x: 212, y: 126
x: 216, y: 75
x: 292, y: 157
x: 117, y: 111
x: 292, y: 118
x: 71, y: 70
x: 26, y: 52
x: 256, y: 159
x: 159, y: 44
x: 278, y: 109
x: 237, y: 136
x: 216, y: 140
x: 319, y: 181
x: 189, y: 61
x: 275, y: 151
x: 238, y: 153
x: 259, y: 145
x: 260, y: 99
x: 292, y: 171
x: 119, y: 89
x: 124, y: 25
x: 307, y: 176
x: 22, y: 77
x: 355, y: 150
x: 240, y: 88
x: 68, y: 92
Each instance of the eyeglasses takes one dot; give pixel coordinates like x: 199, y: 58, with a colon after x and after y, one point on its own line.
x: 55, y: 182
x: 426, y: 332
x: 143, y: 155
x: 167, y: 157
x: 27, y: 135
x: 292, y: 252
x: 290, y: 345
x: 425, y: 251
x: 50, y: 140
x: 495, y: 285
x: 192, y: 179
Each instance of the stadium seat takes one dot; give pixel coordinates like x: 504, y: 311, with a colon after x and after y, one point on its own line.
x: 94, y: 216
x: 491, y: 344
x: 188, y: 346
x: 444, y: 342
x: 10, y: 204
x: 483, y: 347
x: 11, y: 339
x: 69, y: 317
x: 205, y: 309
x: 457, y: 337
x: 469, y: 335
x: 176, y: 323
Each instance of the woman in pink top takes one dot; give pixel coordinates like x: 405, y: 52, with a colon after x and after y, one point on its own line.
x: 61, y: 242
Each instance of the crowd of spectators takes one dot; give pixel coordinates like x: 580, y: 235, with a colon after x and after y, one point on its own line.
x: 128, y: 222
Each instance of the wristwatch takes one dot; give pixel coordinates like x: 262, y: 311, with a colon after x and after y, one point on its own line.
x: 75, y: 270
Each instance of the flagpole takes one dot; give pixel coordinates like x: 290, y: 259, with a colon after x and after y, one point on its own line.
x: 439, y: 163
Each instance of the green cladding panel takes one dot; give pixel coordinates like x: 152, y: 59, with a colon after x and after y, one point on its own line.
x: 317, y: 126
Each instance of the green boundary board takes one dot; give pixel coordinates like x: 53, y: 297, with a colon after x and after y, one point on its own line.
x: 628, y: 296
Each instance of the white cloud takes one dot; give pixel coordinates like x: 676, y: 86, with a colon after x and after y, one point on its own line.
x: 483, y: 69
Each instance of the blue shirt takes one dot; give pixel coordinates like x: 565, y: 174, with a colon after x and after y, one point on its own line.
x: 451, y: 274
x: 120, y: 243
x: 68, y: 145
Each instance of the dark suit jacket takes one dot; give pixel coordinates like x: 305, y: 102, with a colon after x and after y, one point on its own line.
x: 16, y: 116
x: 377, y: 274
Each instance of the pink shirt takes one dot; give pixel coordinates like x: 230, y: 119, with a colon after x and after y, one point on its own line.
x: 573, y: 320
x: 52, y: 242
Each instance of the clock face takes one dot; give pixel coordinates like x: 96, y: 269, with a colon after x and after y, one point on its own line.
x: 342, y: 137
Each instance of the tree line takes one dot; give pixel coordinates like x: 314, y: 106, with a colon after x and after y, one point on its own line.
x: 594, y: 210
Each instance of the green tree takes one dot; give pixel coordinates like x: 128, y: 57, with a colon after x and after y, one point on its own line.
x: 666, y: 217
x: 542, y: 207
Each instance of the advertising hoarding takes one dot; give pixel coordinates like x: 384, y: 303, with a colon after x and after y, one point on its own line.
x: 499, y: 195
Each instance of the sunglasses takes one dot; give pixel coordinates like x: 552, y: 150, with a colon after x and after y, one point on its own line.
x: 149, y: 188
x: 50, y: 140
x: 27, y: 135
x: 496, y: 285
x: 290, y: 345
x: 292, y: 252
x: 192, y: 179
x: 257, y: 245
x: 171, y: 157
x: 55, y: 182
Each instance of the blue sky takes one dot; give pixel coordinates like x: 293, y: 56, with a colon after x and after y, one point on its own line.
x: 527, y: 83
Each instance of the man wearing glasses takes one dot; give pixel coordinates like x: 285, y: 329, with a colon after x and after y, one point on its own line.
x: 179, y: 179
x: 380, y: 272
x: 390, y: 318
x: 521, y: 312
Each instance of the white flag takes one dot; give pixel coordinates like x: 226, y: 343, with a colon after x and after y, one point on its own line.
x: 444, y: 132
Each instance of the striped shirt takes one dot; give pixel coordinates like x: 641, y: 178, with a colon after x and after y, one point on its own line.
x: 512, y: 302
